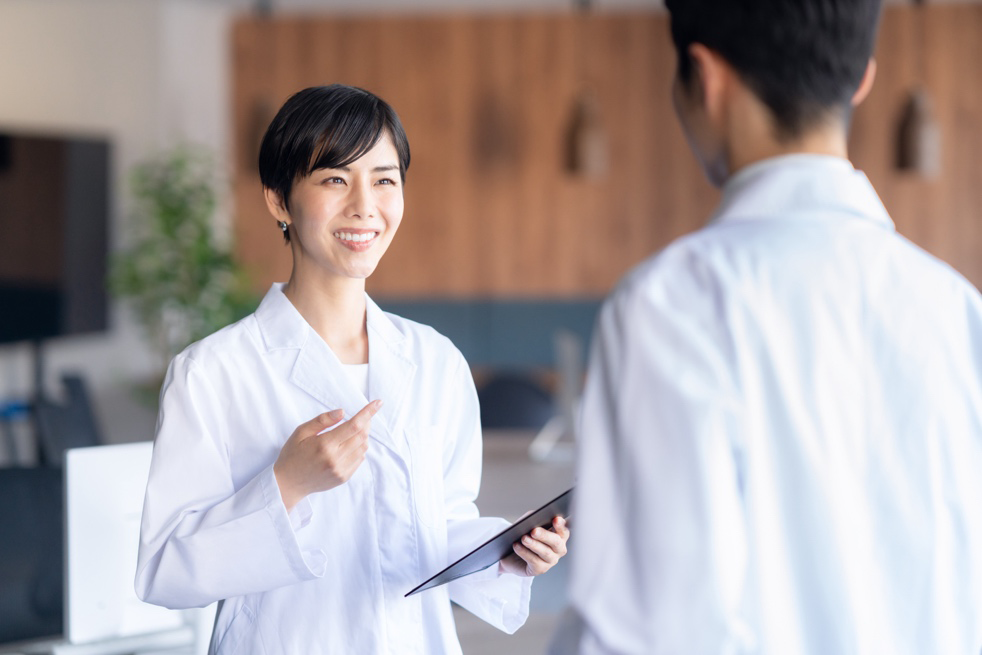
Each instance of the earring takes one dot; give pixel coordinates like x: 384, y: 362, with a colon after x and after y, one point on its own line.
x: 283, y: 226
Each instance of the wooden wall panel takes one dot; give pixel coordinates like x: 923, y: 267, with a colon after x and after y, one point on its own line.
x: 940, y: 47
x: 487, y: 100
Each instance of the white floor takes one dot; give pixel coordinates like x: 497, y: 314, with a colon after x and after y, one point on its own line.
x: 513, y: 484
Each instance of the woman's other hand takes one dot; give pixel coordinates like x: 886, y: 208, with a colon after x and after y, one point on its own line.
x: 538, y: 551
x: 313, y: 460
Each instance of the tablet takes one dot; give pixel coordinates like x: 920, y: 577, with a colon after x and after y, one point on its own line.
x: 492, y: 550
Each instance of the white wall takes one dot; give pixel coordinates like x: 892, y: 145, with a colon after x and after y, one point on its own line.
x: 145, y: 73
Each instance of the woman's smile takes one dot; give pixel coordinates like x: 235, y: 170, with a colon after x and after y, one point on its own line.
x: 358, y: 240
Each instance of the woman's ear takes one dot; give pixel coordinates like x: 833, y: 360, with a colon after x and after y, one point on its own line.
x: 866, y: 84
x: 275, y: 204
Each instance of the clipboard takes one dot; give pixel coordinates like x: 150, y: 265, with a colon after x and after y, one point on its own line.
x: 492, y: 550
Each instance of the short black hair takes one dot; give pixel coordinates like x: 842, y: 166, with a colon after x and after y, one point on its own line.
x: 326, y: 127
x: 804, y: 59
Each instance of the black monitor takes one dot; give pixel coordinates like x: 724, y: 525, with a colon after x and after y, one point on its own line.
x: 54, y: 217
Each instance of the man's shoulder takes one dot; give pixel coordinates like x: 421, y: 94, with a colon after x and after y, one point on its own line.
x: 693, y: 254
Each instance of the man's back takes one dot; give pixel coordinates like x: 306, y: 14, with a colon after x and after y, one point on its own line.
x: 790, y: 404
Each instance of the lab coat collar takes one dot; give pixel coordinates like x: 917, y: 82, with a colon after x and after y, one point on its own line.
x: 800, y: 186
x: 319, y: 372
x: 390, y: 374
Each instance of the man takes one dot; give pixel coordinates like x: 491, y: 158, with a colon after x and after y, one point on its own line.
x: 781, y: 439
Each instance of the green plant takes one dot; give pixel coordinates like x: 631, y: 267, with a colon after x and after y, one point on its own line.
x: 179, y: 281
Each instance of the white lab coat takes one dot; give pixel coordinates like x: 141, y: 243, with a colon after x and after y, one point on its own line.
x: 330, y: 577
x: 781, y: 437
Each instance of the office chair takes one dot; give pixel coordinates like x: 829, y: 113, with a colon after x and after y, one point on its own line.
x: 514, y: 401
x: 68, y: 425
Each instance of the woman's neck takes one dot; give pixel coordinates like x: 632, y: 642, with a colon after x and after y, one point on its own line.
x: 336, y: 309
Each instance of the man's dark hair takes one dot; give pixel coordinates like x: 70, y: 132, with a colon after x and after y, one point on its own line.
x: 326, y: 127
x: 804, y: 59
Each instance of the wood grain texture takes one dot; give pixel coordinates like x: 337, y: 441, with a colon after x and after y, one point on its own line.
x: 939, y: 47
x: 487, y: 101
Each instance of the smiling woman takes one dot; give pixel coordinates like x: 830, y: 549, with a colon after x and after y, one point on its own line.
x: 310, y: 529
x: 341, y: 219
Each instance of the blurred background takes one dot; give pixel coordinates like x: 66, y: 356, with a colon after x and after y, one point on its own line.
x: 546, y: 163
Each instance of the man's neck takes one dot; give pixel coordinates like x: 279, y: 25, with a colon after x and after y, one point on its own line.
x: 740, y: 158
x: 753, y: 138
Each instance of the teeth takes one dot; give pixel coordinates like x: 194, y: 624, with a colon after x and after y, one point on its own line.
x: 356, y: 238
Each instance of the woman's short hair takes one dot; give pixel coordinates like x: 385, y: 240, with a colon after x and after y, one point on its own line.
x: 326, y: 127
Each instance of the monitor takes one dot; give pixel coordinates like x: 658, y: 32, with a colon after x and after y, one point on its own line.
x: 54, y: 218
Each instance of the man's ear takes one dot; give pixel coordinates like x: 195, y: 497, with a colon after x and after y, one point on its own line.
x: 866, y: 84
x: 275, y: 204
x: 712, y: 79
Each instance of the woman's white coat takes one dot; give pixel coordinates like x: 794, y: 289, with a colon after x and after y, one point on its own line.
x: 330, y: 577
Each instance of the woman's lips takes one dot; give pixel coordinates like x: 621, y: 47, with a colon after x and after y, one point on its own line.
x: 357, y: 240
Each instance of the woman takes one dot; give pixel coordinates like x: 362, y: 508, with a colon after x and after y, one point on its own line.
x: 311, y: 528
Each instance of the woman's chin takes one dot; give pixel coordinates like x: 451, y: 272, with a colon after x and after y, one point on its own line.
x: 360, y: 272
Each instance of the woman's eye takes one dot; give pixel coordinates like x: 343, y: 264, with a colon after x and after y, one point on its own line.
x: 386, y: 180
x: 334, y: 180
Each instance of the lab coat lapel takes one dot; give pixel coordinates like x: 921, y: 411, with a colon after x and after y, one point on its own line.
x: 317, y: 370
x: 390, y: 376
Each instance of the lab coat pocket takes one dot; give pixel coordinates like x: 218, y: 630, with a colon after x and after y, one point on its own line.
x: 241, y: 637
x: 427, y: 475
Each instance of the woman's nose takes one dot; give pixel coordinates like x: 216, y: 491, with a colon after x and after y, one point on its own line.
x: 361, y: 203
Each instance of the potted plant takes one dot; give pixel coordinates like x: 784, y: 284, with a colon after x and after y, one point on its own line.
x: 180, y: 282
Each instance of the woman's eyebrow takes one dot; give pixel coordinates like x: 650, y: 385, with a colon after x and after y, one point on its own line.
x: 377, y: 169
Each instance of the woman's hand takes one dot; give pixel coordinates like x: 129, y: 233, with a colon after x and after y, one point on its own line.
x: 538, y: 551
x: 313, y: 460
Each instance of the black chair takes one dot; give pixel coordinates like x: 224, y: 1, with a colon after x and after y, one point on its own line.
x: 514, y: 401
x: 31, y: 552
x: 66, y: 425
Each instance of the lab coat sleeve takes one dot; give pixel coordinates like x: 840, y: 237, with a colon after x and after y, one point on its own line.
x: 659, y: 554
x: 500, y: 600
x: 202, y: 539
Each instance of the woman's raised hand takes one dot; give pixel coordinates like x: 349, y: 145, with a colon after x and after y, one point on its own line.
x: 313, y: 460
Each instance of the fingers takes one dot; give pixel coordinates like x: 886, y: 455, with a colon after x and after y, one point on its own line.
x: 319, y: 423
x: 358, y: 425
x: 561, y: 527
x: 363, y: 418
x: 542, y: 548
x: 535, y: 563
x: 545, y: 543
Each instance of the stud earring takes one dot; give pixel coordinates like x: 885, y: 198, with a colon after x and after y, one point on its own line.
x: 283, y: 226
